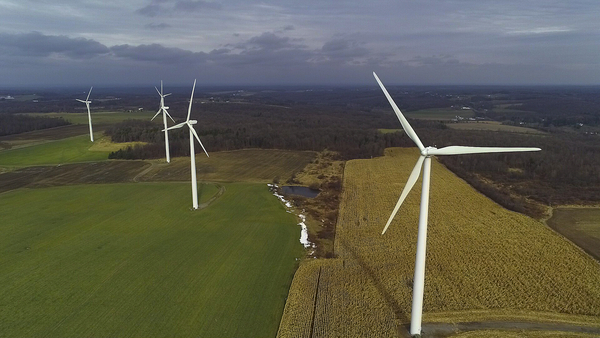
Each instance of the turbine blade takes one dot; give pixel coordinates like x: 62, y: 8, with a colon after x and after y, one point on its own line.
x: 197, y: 138
x: 159, y: 93
x: 191, y: 99
x: 458, y: 150
x: 161, y: 88
x: 166, y: 112
x: 158, y: 112
x: 88, y: 98
x: 412, y: 179
x: 167, y: 94
x: 80, y: 100
x: 176, y: 126
x: 407, y: 128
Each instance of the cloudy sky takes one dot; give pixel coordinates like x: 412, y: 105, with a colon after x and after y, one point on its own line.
x: 139, y: 42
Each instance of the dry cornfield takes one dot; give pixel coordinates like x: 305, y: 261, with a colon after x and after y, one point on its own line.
x: 480, y: 256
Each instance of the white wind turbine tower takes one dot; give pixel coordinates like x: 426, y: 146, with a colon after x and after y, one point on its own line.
x: 193, y: 134
x: 163, y: 109
x: 87, y: 104
x: 425, y: 162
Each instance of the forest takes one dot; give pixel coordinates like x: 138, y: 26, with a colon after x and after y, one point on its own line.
x: 16, y: 124
x: 351, y: 133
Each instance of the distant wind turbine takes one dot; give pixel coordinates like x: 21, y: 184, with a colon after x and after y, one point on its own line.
x: 425, y: 162
x: 87, y: 104
x: 193, y: 134
x: 163, y: 109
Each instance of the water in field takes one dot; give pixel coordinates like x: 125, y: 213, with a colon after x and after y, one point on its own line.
x: 302, y: 191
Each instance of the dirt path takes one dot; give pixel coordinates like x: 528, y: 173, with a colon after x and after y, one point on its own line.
x: 144, y: 172
x: 214, y: 198
x: 443, y: 330
x: 153, y: 165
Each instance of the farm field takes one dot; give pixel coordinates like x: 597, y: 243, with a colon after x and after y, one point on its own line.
x: 580, y: 225
x: 69, y: 150
x: 104, y: 143
x: 521, y: 334
x: 480, y: 257
x: 248, y: 165
x: 131, y: 260
x: 70, y: 174
x: 99, y: 117
x: 41, y: 136
x: 438, y: 114
x: 389, y: 131
x: 493, y: 126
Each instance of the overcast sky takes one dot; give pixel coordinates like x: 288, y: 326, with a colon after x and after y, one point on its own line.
x: 140, y: 42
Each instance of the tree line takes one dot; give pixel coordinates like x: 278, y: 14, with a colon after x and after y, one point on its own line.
x: 15, y: 124
x: 567, y: 170
x: 351, y: 133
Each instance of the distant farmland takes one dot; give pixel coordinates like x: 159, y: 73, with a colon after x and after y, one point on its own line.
x: 100, y: 117
x: 438, y: 113
x: 493, y: 126
x: 131, y: 260
x: 580, y: 225
x: 483, y: 262
x: 247, y: 165
x: 68, y: 150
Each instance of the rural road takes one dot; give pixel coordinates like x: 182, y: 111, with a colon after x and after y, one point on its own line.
x: 443, y: 330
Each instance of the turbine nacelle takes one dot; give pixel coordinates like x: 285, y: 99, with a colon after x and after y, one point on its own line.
x: 425, y: 151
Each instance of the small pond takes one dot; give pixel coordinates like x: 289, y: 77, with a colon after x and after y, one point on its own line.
x: 302, y: 191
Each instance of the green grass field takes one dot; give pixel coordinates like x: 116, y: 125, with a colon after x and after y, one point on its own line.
x: 493, y: 126
x: 438, y: 114
x: 100, y: 117
x: 131, y: 260
x: 69, y: 150
x: 390, y: 131
x: 580, y: 225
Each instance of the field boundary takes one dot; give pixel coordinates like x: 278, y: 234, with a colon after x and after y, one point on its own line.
x: 442, y: 330
x: 312, y: 322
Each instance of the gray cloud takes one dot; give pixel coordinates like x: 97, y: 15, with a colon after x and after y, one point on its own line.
x: 268, y: 40
x: 157, y: 53
x: 437, y: 60
x: 150, y: 10
x: 157, y: 26
x: 195, y: 5
x: 38, y: 44
x: 428, y: 41
x: 168, y: 7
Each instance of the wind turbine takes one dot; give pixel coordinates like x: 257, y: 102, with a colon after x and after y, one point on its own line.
x: 193, y: 134
x: 163, y: 109
x: 425, y: 162
x: 87, y: 104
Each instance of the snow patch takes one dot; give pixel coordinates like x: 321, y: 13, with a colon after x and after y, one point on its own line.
x: 304, y: 230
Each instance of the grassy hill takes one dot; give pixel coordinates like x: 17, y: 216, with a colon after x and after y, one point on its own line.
x: 131, y: 260
x: 68, y: 150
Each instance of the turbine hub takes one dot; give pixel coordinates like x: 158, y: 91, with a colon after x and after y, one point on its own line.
x: 192, y: 121
x: 425, y: 152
